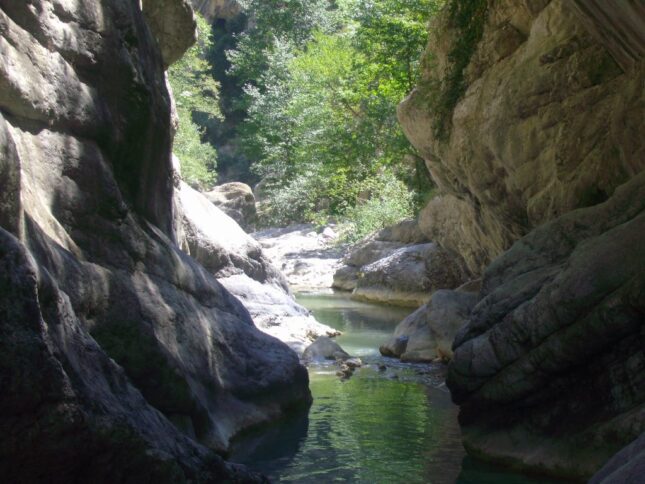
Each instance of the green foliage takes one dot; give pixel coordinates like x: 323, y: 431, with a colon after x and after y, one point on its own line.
x: 292, y: 21
x: 321, y: 121
x: 196, y: 92
x: 468, y: 17
x: 389, y: 201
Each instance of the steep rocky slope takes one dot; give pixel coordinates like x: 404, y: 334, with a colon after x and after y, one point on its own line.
x: 119, y: 352
x: 548, y: 123
x: 542, y: 153
x: 238, y: 262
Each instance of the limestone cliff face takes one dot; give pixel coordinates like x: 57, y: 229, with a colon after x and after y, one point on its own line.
x: 121, y: 358
x: 549, y: 122
x: 541, y: 167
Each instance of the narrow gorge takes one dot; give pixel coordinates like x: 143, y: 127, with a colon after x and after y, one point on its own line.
x: 481, y: 261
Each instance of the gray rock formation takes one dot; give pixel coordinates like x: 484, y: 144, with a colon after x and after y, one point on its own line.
x: 546, y: 140
x: 548, y: 123
x: 617, y: 26
x: 549, y: 370
x: 236, y: 259
x: 307, y: 257
x: 324, y: 349
x: 119, y: 352
x: 428, y: 333
x: 69, y: 412
x: 394, y: 267
x: 237, y: 201
x: 409, y: 276
x: 627, y: 466
x: 405, y: 232
x: 173, y: 25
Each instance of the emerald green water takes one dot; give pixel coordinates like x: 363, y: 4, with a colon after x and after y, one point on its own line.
x: 396, y: 425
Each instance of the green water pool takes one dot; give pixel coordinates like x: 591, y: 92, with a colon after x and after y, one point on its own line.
x: 392, y: 425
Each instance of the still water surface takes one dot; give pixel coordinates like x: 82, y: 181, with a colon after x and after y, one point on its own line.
x: 393, y: 426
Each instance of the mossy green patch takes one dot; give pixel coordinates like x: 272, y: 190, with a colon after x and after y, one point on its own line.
x: 467, y: 18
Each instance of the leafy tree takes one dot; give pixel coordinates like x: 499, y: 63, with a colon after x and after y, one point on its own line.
x: 292, y: 21
x: 196, y: 93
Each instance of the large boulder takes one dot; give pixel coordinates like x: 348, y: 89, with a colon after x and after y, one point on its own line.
x: 548, y: 122
x: 428, y: 333
x: 218, y: 242
x: 70, y: 413
x: 173, y: 25
x: 237, y: 201
x: 122, y: 357
x: 409, y: 275
x: 405, y: 232
x: 549, y: 370
x: 324, y: 349
x: 237, y: 260
x: 397, y: 265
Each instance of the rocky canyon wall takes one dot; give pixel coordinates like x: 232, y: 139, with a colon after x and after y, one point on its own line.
x: 548, y: 122
x: 121, y: 358
x: 540, y: 162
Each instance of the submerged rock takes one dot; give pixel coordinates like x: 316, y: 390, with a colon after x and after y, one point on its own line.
x: 323, y: 349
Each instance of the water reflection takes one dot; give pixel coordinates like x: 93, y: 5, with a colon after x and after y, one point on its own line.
x: 392, y: 426
x: 368, y: 429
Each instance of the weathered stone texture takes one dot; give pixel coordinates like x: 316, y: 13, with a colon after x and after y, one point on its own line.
x: 122, y: 358
x: 548, y: 123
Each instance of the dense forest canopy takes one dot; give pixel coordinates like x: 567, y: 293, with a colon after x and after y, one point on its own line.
x: 318, y: 85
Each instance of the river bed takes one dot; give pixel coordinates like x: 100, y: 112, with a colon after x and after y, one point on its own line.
x: 384, y: 425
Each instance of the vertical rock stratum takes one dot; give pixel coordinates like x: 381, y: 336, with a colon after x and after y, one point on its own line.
x: 538, y: 148
x: 121, y: 358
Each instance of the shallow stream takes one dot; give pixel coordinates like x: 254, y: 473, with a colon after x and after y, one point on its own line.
x: 396, y: 425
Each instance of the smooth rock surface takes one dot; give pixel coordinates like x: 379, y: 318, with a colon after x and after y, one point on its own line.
x: 324, y: 348
x: 398, y: 266
x: 405, y: 232
x: 173, y: 25
x: 409, y: 276
x: 275, y: 312
x: 217, y: 9
x: 429, y: 332
x: 125, y: 358
x: 627, y: 466
x: 237, y: 260
x: 69, y: 412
